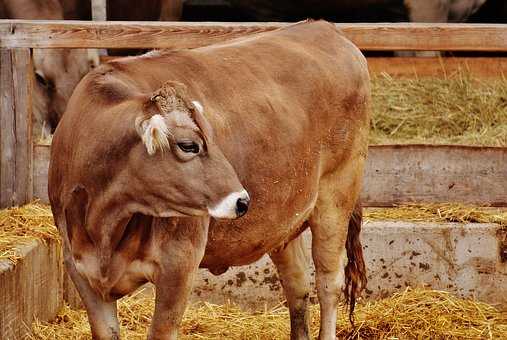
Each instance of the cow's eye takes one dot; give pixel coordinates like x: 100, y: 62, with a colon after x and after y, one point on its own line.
x: 189, y: 146
x: 43, y: 81
x: 40, y: 79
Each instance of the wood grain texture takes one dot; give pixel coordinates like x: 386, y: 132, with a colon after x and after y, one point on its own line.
x: 435, y: 173
x: 22, y: 73
x: 378, y: 36
x: 7, y: 130
x: 16, y: 127
x: 41, y: 155
x: 410, y: 67
x: 70, y: 294
x: 33, y: 287
x: 398, y: 174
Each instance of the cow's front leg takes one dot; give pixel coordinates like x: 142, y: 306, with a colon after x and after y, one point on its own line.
x: 182, y: 245
x: 102, y: 315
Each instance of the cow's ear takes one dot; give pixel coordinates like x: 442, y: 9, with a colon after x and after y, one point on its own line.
x: 154, y: 132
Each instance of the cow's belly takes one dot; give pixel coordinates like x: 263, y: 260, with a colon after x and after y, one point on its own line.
x: 277, y: 214
x: 226, y: 248
x: 280, y: 168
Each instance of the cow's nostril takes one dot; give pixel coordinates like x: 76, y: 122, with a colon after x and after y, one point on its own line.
x: 242, y: 206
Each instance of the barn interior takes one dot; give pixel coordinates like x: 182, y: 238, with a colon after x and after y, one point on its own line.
x: 436, y: 204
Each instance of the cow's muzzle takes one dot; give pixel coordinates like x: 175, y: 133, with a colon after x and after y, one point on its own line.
x: 232, y: 206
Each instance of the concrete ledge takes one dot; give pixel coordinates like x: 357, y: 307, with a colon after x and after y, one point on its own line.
x: 464, y: 259
x: 31, y: 288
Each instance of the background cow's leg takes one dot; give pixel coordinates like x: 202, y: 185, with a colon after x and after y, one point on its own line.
x: 293, y: 268
x: 101, y: 315
x: 329, y: 224
x: 425, y: 11
x: 181, y: 250
x: 428, y: 11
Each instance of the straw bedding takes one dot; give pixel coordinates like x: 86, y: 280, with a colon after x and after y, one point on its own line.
x: 412, y: 314
x: 456, y: 110
x: 21, y: 225
x: 438, y: 212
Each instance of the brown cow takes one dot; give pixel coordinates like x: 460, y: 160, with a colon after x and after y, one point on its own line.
x: 151, y: 147
x: 57, y: 71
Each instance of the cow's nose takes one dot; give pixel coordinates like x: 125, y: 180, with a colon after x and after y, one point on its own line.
x: 242, y: 206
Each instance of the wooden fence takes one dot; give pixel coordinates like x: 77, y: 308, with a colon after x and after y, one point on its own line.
x: 17, y: 37
x: 372, y: 37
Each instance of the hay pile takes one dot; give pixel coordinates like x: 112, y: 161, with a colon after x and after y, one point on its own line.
x: 438, y: 212
x: 414, y: 313
x: 21, y: 225
x: 457, y: 110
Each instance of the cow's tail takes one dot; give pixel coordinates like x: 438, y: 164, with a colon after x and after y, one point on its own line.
x: 355, y: 271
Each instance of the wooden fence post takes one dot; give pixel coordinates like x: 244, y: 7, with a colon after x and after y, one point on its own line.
x: 99, y: 10
x: 7, y: 130
x: 99, y: 13
x: 16, y: 81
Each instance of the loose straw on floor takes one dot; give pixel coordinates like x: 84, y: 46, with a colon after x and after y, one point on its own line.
x: 412, y: 314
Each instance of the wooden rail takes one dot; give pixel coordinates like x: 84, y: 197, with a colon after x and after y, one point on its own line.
x: 375, y: 37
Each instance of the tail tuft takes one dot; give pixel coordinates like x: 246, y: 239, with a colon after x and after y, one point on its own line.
x: 355, y: 271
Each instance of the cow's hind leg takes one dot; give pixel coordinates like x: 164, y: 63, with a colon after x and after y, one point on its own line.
x: 329, y: 224
x: 102, y: 315
x: 293, y: 268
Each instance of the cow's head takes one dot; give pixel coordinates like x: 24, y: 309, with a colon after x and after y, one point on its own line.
x: 179, y: 165
x: 57, y: 72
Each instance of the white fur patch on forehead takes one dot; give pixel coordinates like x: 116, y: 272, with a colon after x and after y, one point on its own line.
x: 153, y: 132
x: 181, y: 119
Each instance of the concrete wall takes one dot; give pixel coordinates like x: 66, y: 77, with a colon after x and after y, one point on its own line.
x: 464, y: 259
